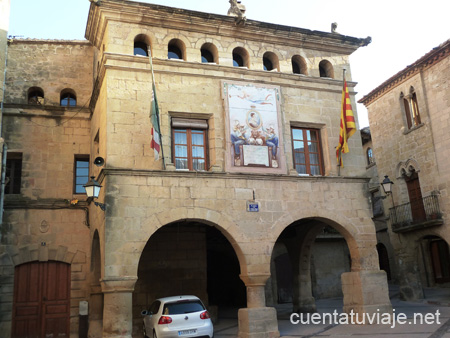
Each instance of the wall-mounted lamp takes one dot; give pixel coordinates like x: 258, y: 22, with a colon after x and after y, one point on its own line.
x: 93, y: 190
x: 387, y: 185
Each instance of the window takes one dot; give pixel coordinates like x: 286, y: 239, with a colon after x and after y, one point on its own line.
x: 140, y: 48
x: 370, y: 158
x: 141, y: 45
x: 189, y: 144
x: 299, y: 65
x: 68, y: 98
x: 307, y: 151
x: 154, y: 308
x: 411, y: 109
x: 35, y: 95
x: 238, y: 61
x: 270, y: 61
x: 326, y: 69
x: 267, y: 64
x: 176, y: 48
x: 207, y: 56
x: 209, y: 53
x: 13, y: 173
x: 240, y: 57
x: 81, y: 173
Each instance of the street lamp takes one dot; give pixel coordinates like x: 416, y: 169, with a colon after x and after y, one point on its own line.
x: 387, y: 185
x: 93, y: 190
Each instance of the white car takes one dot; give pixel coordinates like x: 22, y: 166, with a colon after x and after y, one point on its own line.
x: 179, y: 316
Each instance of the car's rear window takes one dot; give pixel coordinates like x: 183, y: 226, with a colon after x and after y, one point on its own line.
x: 182, y: 307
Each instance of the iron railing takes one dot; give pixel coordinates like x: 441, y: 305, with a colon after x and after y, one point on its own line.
x: 404, y: 219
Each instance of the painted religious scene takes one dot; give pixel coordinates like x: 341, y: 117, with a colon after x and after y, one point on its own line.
x: 253, y: 123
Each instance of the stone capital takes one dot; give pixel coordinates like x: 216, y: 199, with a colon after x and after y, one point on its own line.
x: 118, y: 284
x: 255, y: 279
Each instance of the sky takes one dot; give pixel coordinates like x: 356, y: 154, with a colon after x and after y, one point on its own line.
x: 402, y: 31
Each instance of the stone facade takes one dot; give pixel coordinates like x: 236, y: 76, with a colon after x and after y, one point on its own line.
x: 166, y: 231
x: 411, y: 150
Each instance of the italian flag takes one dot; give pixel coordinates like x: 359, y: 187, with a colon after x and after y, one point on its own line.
x: 154, y: 117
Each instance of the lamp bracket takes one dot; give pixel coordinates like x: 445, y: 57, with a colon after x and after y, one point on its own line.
x: 100, y: 205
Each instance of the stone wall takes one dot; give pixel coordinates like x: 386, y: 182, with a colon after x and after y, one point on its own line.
x: 47, y: 220
x: 425, y: 147
x: 52, y: 65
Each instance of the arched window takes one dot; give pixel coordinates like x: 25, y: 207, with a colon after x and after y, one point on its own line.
x: 326, y: 69
x: 141, y: 45
x: 299, y: 65
x: 175, y: 49
x: 270, y: 61
x: 68, y: 98
x: 209, y: 53
x: 140, y: 48
x: 370, y: 158
x: 35, y: 95
x: 411, y: 108
x: 240, y: 57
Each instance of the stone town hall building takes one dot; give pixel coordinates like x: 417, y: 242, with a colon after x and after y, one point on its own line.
x: 249, y: 115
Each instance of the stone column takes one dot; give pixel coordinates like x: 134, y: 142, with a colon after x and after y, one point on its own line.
x: 303, y: 300
x: 257, y: 320
x: 366, y: 292
x: 409, y: 276
x: 118, y: 306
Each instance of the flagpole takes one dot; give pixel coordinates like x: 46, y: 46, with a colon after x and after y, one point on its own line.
x: 157, y: 115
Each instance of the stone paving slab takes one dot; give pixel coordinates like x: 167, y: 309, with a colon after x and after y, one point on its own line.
x: 437, y: 300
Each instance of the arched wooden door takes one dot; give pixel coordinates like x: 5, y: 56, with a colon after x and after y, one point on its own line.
x: 41, y: 300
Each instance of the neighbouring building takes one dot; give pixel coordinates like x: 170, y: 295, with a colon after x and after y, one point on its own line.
x: 4, y: 26
x: 245, y: 192
x: 409, y: 116
x: 386, y: 256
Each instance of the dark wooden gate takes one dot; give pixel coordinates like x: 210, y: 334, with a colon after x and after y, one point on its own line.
x: 440, y: 258
x: 41, y: 300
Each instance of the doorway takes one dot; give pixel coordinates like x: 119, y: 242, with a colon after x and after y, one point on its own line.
x: 41, y: 305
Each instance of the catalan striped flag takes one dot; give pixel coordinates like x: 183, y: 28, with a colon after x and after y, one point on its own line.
x: 348, y: 125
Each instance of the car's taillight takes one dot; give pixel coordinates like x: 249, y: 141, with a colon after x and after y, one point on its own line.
x: 204, y: 315
x: 164, y: 320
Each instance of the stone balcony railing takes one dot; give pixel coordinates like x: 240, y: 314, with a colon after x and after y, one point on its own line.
x: 424, y: 215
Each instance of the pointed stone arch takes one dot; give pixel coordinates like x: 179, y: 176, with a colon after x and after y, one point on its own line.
x: 406, y: 168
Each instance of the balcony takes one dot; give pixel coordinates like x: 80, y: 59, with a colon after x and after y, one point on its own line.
x: 420, y: 215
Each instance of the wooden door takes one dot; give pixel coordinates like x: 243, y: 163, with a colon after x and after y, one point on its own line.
x: 440, y: 258
x: 41, y: 300
x: 415, y: 198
